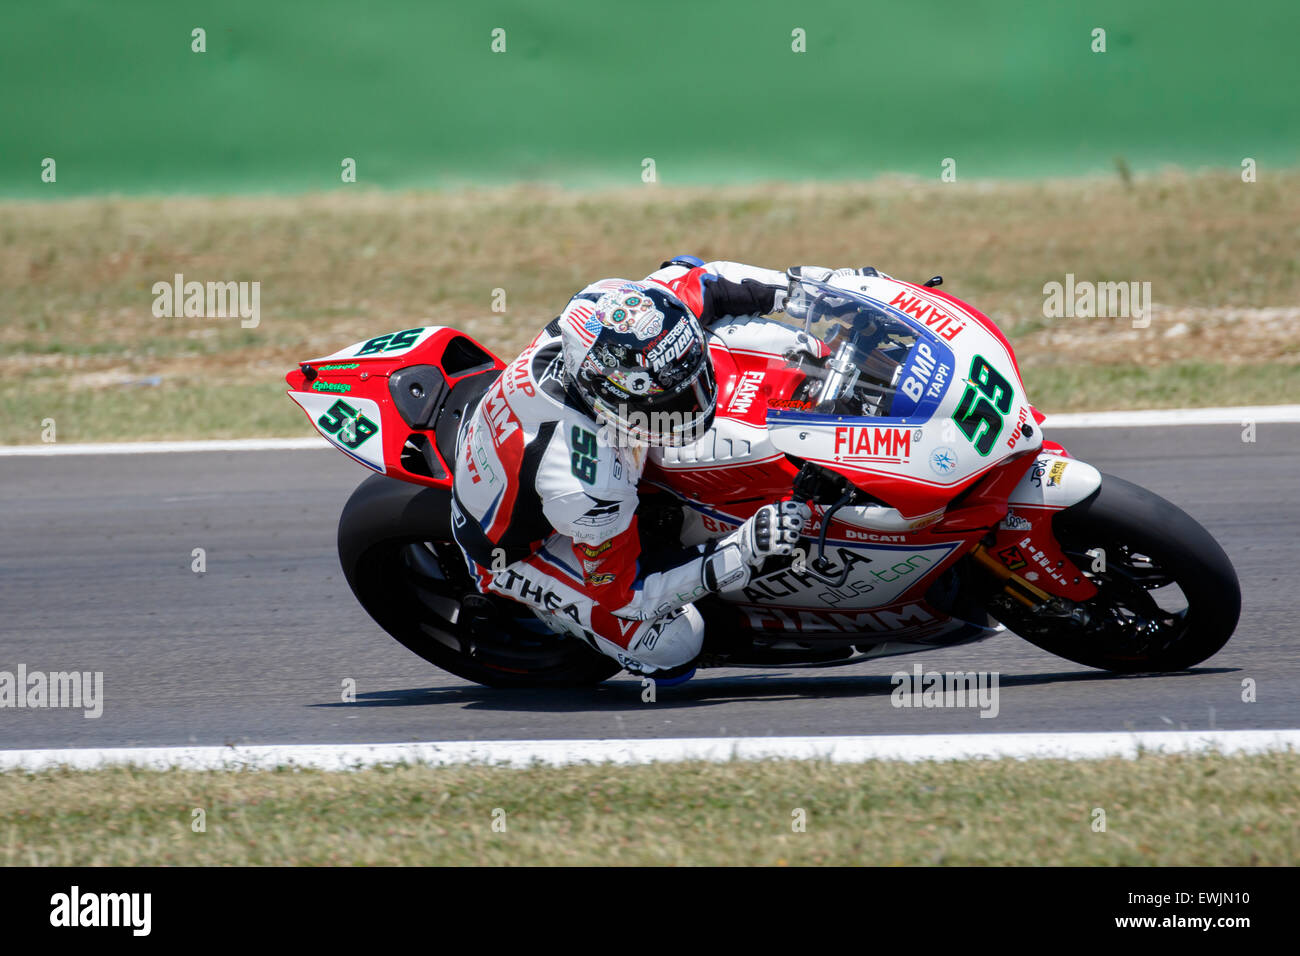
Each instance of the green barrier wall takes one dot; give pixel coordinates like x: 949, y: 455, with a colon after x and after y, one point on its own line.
x: 587, y: 89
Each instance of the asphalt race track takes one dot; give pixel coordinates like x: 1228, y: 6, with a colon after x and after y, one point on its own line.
x: 95, y: 575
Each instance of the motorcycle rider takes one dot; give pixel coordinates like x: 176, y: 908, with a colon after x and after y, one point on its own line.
x: 545, y: 492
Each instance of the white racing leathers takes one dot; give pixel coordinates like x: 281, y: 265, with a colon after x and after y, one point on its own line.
x: 545, y: 504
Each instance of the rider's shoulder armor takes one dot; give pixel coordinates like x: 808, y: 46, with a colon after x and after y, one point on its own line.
x: 586, y: 486
x: 533, y: 383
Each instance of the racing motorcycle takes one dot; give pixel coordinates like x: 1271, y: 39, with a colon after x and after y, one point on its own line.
x: 941, y: 514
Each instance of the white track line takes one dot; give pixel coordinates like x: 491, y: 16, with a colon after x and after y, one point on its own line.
x: 1260, y: 414
x: 1239, y: 415
x: 523, y: 753
x: 313, y: 443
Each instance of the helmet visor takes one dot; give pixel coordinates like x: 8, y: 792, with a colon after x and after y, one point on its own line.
x: 674, y: 418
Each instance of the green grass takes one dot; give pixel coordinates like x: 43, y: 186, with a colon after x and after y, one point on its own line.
x: 143, y: 412
x: 1159, y: 810
x: 1080, y: 387
x: 76, y: 282
x: 183, y: 410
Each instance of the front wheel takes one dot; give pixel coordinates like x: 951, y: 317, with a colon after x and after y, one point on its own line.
x: 1168, y: 597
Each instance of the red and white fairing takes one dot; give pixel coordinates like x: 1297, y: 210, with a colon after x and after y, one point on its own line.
x: 915, y: 466
x: 937, y: 492
x: 347, y: 398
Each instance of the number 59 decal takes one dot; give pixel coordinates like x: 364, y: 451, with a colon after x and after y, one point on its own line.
x: 347, y: 424
x: 583, y: 463
x: 986, y: 399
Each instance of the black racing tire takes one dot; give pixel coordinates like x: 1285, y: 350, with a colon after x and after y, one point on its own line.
x: 1149, y: 543
x: 398, y: 556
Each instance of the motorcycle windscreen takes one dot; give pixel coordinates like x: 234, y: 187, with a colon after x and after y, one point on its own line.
x: 879, y: 366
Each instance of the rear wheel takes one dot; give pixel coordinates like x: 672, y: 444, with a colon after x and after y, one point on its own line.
x: 1168, y: 597
x: 399, y: 558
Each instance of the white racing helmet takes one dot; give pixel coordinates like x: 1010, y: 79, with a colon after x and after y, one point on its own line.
x: 637, y: 355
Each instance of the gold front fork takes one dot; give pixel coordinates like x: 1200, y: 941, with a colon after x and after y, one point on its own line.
x: 1013, y: 584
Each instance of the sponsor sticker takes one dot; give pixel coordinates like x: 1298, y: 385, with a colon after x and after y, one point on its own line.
x: 946, y: 326
x: 1016, y: 434
x: 602, y: 514
x: 673, y: 346
x: 870, y: 443
x: 1040, y: 558
x: 746, y: 392
x: 1052, y: 474
x: 943, y: 461
x: 511, y: 581
x: 854, y: 534
x: 927, y: 375
x: 594, y: 551
x: 1013, y: 558
x: 500, y: 416
x: 1013, y: 522
x: 894, y: 619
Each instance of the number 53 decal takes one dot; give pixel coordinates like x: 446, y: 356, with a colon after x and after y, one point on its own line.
x: 347, y: 424
x: 986, y: 399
